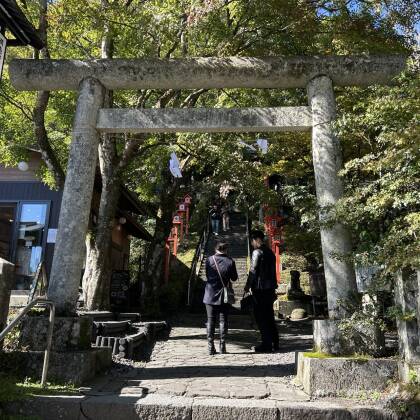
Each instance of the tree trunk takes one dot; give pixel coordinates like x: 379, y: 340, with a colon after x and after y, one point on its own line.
x: 42, y: 98
x: 152, y: 277
x: 97, y: 276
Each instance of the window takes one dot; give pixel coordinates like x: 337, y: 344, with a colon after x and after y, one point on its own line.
x: 30, y: 241
x: 7, y: 222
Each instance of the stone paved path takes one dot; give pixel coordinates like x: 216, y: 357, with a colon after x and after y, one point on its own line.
x: 180, y: 366
x: 180, y: 382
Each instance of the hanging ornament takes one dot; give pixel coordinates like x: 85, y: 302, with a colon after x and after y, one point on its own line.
x: 263, y: 145
x: 174, y: 166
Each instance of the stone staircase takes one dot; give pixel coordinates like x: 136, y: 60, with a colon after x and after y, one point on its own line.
x: 237, y: 239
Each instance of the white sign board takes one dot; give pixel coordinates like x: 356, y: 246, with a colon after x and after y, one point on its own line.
x: 3, y: 42
x: 52, y: 236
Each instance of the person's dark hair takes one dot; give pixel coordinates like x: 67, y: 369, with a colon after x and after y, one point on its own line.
x: 257, y: 234
x: 222, y: 247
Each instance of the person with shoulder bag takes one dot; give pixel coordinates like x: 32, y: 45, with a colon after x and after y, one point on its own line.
x: 218, y: 294
x: 262, y: 283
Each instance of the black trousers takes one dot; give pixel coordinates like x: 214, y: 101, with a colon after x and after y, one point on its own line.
x: 264, y: 316
x: 217, y: 313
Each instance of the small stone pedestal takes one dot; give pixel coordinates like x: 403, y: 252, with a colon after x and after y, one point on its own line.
x: 72, y: 358
x: 343, y: 376
x: 330, y: 340
x: 407, y: 298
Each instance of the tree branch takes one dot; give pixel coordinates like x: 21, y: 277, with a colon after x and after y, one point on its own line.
x: 41, y: 103
x: 27, y: 113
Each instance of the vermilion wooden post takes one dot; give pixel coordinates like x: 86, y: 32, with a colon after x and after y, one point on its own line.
x: 277, y: 253
x: 181, y: 226
x: 187, y: 203
x: 175, y: 238
x: 187, y: 219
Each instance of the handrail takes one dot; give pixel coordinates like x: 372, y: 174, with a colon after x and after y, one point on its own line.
x: 25, y: 310
x: 198, y: 258
x: 40, y: 272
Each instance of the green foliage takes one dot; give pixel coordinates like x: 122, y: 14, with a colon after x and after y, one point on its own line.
x: 396, y: 312
x: 413, y: 378
x: 382, y: 181
x: 14, y: 389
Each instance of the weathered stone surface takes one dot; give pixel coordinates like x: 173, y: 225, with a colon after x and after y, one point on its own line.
x: 339, y: 274
x: 344, y: 376
x: 319, y: 410
x: 164, y: 407
x: 77, y: 195
x: 69, y: 333
x: 115, y: 407
x: 204, y: 120
x: 64, y: 367
x: 216, y: 408
x: 406, y: 298
x: 7, y: 278
x: 283, y: 392
x: 19, y: 298
x: 205, y: 72
x: 329, y: 339
x: 47, y: 407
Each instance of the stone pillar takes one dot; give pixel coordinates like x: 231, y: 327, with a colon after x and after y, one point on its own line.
x: 77, y: 195
x: 7, y: 277
x: 327, y: 160
x: 406, y: 296
x: 418, y: 307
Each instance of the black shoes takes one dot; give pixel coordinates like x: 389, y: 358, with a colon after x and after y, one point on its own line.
x: 222, y: 334
x: 212, y: 349
x: 210, y: 338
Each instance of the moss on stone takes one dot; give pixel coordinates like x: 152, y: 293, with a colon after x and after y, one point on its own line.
x: 317, y: 355
x: 321, y: 355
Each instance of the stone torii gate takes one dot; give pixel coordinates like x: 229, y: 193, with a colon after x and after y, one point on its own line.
x: 317, y: 74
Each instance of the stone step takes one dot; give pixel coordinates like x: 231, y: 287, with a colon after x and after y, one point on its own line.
x: 134, y: 405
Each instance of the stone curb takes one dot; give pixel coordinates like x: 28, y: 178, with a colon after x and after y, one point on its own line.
x: 156, y: 406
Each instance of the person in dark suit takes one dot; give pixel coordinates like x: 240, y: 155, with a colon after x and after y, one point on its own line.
x: 215, y: 217
x: 262, y: 282
x: 214, y: 298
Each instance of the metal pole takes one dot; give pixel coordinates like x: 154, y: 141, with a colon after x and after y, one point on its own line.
x: 24, y: 311
x: 49, y: 342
